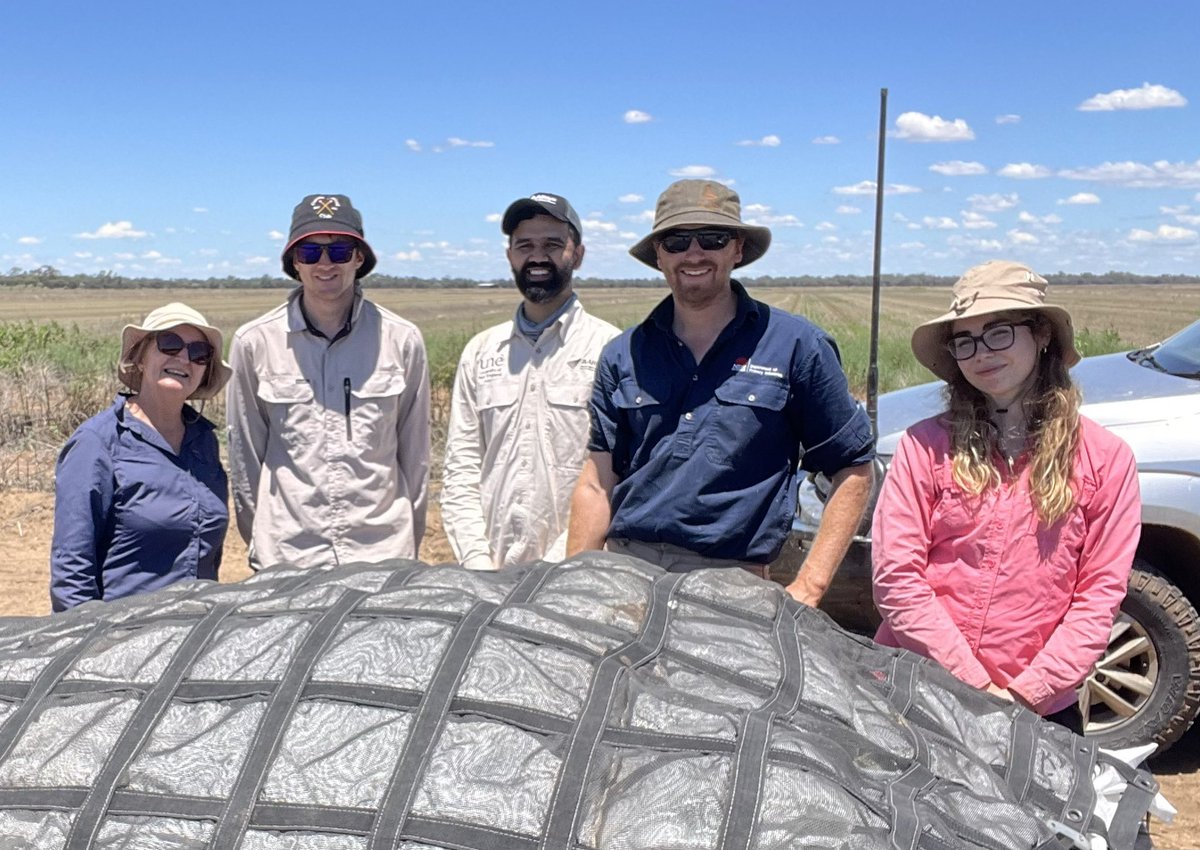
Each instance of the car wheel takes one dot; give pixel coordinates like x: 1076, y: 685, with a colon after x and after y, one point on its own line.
x: 1146, y: 686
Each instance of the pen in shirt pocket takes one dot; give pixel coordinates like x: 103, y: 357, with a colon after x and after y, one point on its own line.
x: 346, y: 390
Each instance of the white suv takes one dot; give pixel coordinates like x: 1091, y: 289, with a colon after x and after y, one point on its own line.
x: 1147, y: 685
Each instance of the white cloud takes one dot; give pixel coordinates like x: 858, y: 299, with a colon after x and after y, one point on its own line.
x: 994, y: 202
x: 918, y: 127
x: 1080, y: 198
x: 1193, y: 220
x: 771, y: 141
x: 259, y: 261
x: 412, y: 256
x: 939, y: 222
x: 152, y: 255
x: 591, y: 225
x: 1138, y: 175
x: 826, y: 226
x: 1176, y: 210
x: 644, y: 215
x: 846, y: 209
x: 911, y: 246
x: 1008, y: 118
x: 199, y: 209
x: 493, y: 218
x: 785, y: 220
x: 413, y: 145
x: 456, y: 142
x: 114, y: 230
x: 83, y: 255
x: 1165, y: 233
x: 1021, y: 237
x: 695, y: 171
x: 631, y: 198
x: 1147, y: 97
x: 636, y: 116
x: 29, y: 240
x: 867, y: 187
x: 958, y: 168
x: 976, y: 221
x: 826, y: 140
x: 124, y: 255
x: 1030, y: 218
x: 276, y: 235
x: 1024, y: 171
x: 755, y: 209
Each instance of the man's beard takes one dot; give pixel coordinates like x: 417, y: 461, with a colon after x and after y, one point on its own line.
x: 544, y: 290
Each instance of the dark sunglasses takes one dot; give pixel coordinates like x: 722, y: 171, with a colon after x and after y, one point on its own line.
x: 170, y: 343
x: 710, y: 240
x: 308, y: 253
x: 995, y: 338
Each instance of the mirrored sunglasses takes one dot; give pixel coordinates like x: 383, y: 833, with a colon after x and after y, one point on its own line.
x: 995, y: 338
x: 676, y: 242
x: 170, y: 343
x: 308, y: 253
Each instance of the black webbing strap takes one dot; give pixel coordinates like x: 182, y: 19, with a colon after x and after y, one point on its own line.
x: 423, y: 733
x: 902, y: 806
x: 1081, y: 799
x: 905, y: 670
x: 12, y: 728
x: 87, y: 822
x: 1135, y: 801
x: 1022, y: 747
x: 567, y: 798
x: 273, y: 725
x: 754, y: 737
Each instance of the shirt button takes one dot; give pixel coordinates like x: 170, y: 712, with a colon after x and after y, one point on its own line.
x: 695, y: 377
x: 751, y: 397
x: 637, y: 400
x: 688, y: 416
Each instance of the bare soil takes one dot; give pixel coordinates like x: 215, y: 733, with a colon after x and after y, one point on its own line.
x: 27, y: 520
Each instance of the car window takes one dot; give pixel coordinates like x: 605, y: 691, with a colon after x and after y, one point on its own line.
x: 1180, y: 354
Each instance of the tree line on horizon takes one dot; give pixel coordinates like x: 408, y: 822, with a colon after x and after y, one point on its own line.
x: 48, y: 277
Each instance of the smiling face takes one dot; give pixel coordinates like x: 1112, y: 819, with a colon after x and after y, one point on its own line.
x: 697, y: 277
x: 325, y: 281
x: 171, y: 375
x: 543, y: 254
x: 1002, y: 376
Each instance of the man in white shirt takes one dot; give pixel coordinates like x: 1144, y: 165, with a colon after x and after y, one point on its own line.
x: 519, y: 416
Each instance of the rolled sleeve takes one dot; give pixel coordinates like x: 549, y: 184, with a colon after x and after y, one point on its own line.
x: 834, y: 429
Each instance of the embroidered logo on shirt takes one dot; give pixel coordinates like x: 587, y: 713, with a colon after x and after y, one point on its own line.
x: 743, y: 364
x: 325, y: 207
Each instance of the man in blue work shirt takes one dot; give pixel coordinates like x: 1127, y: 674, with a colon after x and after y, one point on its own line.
x: 703, y: 412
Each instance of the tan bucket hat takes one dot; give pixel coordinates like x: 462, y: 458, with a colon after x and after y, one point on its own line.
x: 163, y: 319
x: 702, y: 203
x: 991, y: 287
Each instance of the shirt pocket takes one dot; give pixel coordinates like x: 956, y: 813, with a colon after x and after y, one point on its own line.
x: 289, y: 401
x: 1061, y: 545
x: 375, y: 404
x: 496, y: 402
x: 747, y: 425
x: 565, y: 426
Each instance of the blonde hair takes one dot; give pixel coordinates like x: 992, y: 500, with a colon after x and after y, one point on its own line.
x: 1052, y: 411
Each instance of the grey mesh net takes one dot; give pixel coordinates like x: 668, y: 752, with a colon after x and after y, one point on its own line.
x: 597, y: 703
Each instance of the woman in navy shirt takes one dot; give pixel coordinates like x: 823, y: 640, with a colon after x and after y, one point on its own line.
x: 140, y: 493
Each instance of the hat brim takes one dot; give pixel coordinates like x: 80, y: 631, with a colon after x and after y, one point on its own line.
x: 929, y: 338
x: 216, y: 376
x: 321, y: 228
x: 756, y: 240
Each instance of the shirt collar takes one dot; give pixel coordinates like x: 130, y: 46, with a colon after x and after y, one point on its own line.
x: 663, y: 316
x: 298, y: 319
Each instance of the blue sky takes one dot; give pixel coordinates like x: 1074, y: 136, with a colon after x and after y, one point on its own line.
x: 173, y: 139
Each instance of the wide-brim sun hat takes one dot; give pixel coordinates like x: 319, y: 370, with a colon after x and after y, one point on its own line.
x: 164, y: 319
x: 702, y: 203
x: 992, y: 287
x: 326, y: 215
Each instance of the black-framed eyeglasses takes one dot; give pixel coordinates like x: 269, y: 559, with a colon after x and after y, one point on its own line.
x: 998, y: 337
x: 170, y: 343
x: 307, y: 253
x: 678, y: 241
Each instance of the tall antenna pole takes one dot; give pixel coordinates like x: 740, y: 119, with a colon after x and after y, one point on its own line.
x: 873, y: 353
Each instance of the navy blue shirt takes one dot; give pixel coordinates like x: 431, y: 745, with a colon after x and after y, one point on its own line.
x: 130, y: 515
x: 706, y: 454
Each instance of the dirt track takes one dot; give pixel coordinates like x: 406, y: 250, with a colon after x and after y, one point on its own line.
x: 26, y: 522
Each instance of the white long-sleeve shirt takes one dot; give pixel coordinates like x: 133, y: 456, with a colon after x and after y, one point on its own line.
x: 517, y: 439
x: 329, y: 441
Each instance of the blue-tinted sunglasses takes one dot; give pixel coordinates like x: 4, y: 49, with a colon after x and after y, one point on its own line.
x: 308, y: 253
x: 170, y: 343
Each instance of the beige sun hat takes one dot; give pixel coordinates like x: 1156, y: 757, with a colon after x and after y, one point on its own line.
x: 991, y: 287
x: 163, y: 319
x: 702, y: 203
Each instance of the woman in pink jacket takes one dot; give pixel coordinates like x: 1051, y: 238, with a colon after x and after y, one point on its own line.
x: 1006, y: 528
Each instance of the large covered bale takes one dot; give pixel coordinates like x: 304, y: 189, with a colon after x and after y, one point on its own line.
x: 597, y: 703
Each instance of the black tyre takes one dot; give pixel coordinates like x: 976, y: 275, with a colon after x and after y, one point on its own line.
x: 1146, y: 687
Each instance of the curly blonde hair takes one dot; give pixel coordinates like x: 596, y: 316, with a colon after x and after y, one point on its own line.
x: 1052, y: 411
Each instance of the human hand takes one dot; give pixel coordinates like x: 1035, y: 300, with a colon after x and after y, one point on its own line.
x: 1003, y: 693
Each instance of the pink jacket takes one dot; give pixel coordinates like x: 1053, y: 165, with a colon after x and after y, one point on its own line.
x: 980, y: 587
